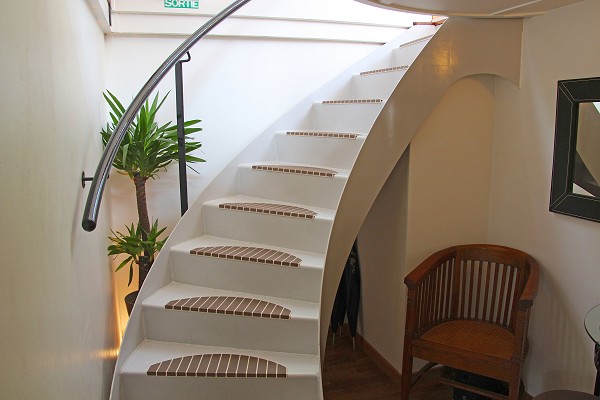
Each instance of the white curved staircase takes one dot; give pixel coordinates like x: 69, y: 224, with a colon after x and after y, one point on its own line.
x: 237, y: 302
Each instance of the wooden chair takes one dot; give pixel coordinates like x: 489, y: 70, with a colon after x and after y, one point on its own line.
x: 468, y: 308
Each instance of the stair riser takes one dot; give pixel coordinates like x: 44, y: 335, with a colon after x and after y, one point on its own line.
x: 263, y: 279
x: 273, y: 230
x: 299, y: 189
x: 375, y: 86
x: 142, y: 387
x: 283, y: 335
x: 406, y: 55
x: 345, y: 117
x: 326, y: 152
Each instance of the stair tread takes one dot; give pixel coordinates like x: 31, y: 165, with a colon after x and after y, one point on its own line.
x: 309, y: 259
x: 340, y: 172
x: 353, y: 101
x: 150, y: 352
x: 296, y: 169
x: 175, y: 290
x: 416, y: 41
x: 314, y: 133
x: 399, y: 68
x: 322, y: 213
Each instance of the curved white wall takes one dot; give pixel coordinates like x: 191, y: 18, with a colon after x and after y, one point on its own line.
x: 559, y: 45
x: 436, y: 196
x: 59, y: 338
x: 514, y: 145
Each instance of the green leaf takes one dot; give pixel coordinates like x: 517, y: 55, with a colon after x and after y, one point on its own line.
x: 150, y: 147
x: 123, y: 263
x: 130, y: 274
x: 134, y: 245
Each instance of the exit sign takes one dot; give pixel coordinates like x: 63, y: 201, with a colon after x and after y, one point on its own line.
x: 182, y: 3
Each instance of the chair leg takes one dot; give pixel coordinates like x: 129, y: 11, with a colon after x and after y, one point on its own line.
x: 514, y: 385
x: 407, y: 364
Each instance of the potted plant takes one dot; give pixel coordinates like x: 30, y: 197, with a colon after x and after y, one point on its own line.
x: 140, y: 248
x: 146, y: 149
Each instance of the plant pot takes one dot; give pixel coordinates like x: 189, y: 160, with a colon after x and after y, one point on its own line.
x: 130, y: 301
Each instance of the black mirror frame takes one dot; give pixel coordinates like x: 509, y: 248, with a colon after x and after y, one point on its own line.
x: 562, y: 199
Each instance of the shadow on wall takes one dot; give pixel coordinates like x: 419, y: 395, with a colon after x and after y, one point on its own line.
x: 556, y: 336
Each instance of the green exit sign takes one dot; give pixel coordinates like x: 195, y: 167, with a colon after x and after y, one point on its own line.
x: 182, y: 3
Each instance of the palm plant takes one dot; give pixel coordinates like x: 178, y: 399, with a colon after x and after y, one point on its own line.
x: 139, y: 250
x: 147, y: 147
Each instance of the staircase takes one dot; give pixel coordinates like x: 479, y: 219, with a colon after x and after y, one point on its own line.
x: 236, y: 304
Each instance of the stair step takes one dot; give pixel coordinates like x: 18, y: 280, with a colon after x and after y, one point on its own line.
x: 384, y: 70
x: 329, y: 135
x: 296, y: 169
x: 407, y: 52
x: 272, y: 209
x: 231, y: 305
x: 346, y: 115
x: 354, y: 101
x: 377, y: 84
x: 311, y: 186
x: 328, y: 149
x: 155, y: 371
x: 284, y: 273
x: 249, y: 254
x: 218, y: 366
x: 269, y: 222
x: 416, y: 41
x: 216, y: 317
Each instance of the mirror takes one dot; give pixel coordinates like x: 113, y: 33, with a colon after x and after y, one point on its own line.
x: 576, y: 169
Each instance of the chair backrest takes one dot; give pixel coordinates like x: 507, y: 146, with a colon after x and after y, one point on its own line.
x: 487, y: 282
x: 477, y: 282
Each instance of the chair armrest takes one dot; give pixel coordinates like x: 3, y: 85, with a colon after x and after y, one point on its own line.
x: 419, y: 309
x: 531, y: 286
x: 429, y: 265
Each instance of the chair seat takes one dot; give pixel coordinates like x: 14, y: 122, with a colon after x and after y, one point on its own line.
x: 474, y: 336
x: 468, y: 308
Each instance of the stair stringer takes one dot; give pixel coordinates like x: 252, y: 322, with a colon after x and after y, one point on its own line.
x: 462, y: 47
x: 224, y: 184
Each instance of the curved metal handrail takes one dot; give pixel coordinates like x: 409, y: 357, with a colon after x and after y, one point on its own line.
x: 92, y: 205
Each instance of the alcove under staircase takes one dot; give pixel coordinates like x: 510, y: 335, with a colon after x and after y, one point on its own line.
x: 237, y: 303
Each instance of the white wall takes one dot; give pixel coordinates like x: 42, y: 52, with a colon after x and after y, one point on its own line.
x: 449, y: 181
x: 341, y: 20
x: 506, y: 132
x: 437, y: 196
x: 237, y: 85
x: 560, y: 45
x: 57, y: 326
x: 101, y: 13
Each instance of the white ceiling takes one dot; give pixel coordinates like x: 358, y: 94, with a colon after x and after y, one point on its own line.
x: 473, y: 8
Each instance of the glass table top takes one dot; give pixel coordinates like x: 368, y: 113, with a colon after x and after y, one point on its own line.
x: 592, y: 323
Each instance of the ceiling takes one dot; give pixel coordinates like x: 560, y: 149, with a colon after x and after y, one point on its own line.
x: 473, y: 8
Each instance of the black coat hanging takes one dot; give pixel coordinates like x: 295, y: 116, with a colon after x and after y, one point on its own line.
x: 347, y: 299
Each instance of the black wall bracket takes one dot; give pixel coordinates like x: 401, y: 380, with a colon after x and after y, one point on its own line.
x: 85, y: 179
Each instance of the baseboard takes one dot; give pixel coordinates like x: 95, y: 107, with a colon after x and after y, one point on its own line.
x: 363, y: 345
x: 379, y: 360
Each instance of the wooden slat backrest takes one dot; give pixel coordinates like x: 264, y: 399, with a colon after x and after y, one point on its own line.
x: 488, y: 281
x: 433, y: 295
